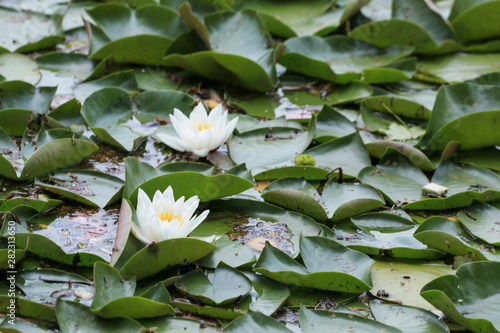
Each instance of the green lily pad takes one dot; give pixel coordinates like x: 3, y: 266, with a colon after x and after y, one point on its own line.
x: 401, y: 281
x: 340, y: 94
x: 177, y: 324
x: 127, y: 35
x: 163, y: 255
x: 115, y: 297
x: 295, y: 18
x: 73, y: 317
x: 205, y: 187
x: 480, y: 15
x: 223, y: 286
x: 232, y: 253
x: 400, y: 180
x: 378, y: 148
x: 40, y: 204
x: 249, y: 65
x: 450, y: 236
x: 224, y: 214
x: 46, y: 285
x: 27, y: 308
x: 49, y: 156
x: 397, y: 71
x: 255, y: 321
x: 347, y: 152
x: 270, y: 296
x: 68, y: 64
x: 296, y: 194
x: 125, y: 80
x: 407, y: 318
x: 345, y: 200
x: 262, y: 149
x: 412, y: 23
x: 332, y: 124
x: 321, y: 321
x: 382, y: 234
x: 326, y: 261
x: 460, y: 66
x: 160, y: 104
x: 90, y: 187
x: 486, y: 158
x: 227, y: 312
x: 22, y: 95
x: 338, y: 59
x: 416, y: 105
x: 460, y: 112
x: 482, y: 220
x: 14, y: 66
x: 38, y: 31
x: 470, y: 297
x: 106, y: 112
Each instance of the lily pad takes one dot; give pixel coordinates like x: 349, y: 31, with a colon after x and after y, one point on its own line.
x: 412, y: 23
x: 321, y: 321
x: 22, y: 95
x: 332, y: 124
x: 470, y: 297
x: 237, y: 52
x: 163, y: 255
x: 255, y: 321
x: 482, y: 221
x: 347, y: 152
x: 270, y: 296
x: 223, y: 286
x: 407, y: 318
x: 90, y: 187
x: 14, y: 66
x: 467, y: 14
x: 338, y: 59
x: 176, y: 324
x: 382, y: 234
x: 49, y: 156
x: 115, y: 297
x: 450, y: 236
x: 160, y: 104
x: 128, y: 34
x: 325, y: 261
x: 38, y: 31
x: 295, y: 18
x: 459, y: 66
x: 401, y: 280
x: 262, y: 149
x: 400, y: 180
x: 232, y: 253
x: 459, y: 111
x: 106, y: 112
x: 416, y: 105
x: 125, y: 80
x: 75, y: 317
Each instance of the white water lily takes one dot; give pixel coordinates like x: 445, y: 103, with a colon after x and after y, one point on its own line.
x: 201, y: 132
x: 165, y: 218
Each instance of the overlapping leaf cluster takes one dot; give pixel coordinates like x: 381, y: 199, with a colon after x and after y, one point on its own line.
x: 347, y: 109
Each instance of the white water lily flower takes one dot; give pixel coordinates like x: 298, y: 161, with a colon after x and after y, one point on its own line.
x: 165, y: 218
x: 200, y: 133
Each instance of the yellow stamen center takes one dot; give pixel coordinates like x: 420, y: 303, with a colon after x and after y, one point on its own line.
x: 201, y: 127
x: 168, y: 217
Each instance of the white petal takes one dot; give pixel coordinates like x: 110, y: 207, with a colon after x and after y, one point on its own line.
x: 201, y: 152
x: 189, y: 207
x: 138, y: 233
x: 215, y: 114
x: 181, y: 118
x: 158, y: 202
x: 172, y: 141
x: 193, y: 223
